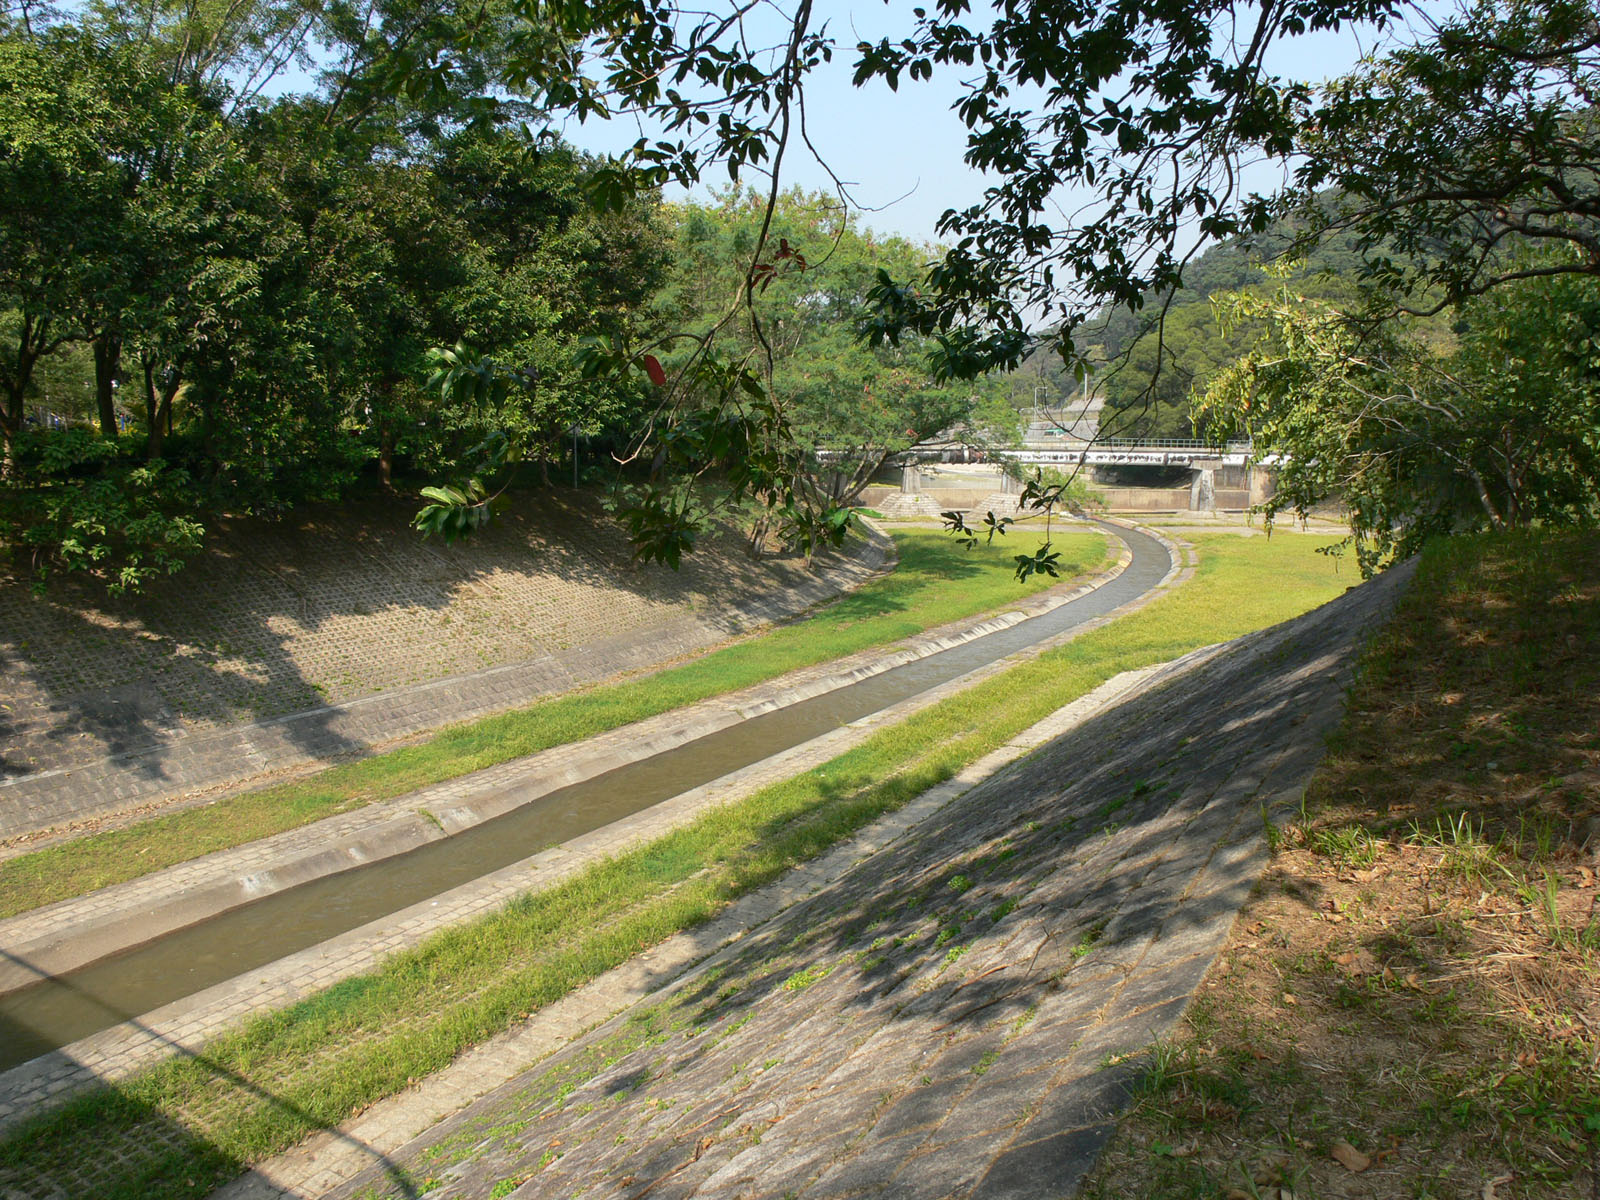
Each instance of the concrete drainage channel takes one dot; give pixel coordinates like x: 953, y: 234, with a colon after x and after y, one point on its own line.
x: 303, y: 911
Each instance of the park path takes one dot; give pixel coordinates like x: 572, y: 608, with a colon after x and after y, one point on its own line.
x: 291, y: 644
x: 952, y: 1004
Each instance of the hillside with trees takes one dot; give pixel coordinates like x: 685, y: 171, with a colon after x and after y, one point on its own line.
x: 859, y: 404
x: 1150, y: 363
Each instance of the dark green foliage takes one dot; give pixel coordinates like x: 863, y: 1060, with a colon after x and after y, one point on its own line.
x: 1495, y: 426
x: 799, y: 331
x: 249, y: 289
x: 98, y: 506
x: 1117, y: 134
x: 1152, y: 362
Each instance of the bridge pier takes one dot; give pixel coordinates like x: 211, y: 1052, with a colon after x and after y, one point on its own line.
x: 1259, y: 482
x: 909, y: 500
x: 1203, y: 488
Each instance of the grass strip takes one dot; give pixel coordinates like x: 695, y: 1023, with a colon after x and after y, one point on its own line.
x: 187, y: 1125
x: 1414, y: 985
x: 934, y: 583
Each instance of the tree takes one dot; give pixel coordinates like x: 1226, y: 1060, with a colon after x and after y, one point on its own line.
x: 1118, y: 133
x: 1447, y: 160
x: 856, y: 404
x: 1148, y: 382
x: 1499, y: 429
x: 544, y: 271
x: 60, y: 143
x: 265, y: 276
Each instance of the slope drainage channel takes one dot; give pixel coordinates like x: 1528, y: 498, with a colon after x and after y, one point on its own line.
x: 64, y: 1008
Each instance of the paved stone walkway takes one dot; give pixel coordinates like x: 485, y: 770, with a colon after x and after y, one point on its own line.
x: 295, y: 643
x: 956, y: 1010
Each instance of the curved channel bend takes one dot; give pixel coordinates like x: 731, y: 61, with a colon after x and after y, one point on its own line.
x: 62, y: 1009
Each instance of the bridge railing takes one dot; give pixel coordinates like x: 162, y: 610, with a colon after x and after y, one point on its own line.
x: 1167, y: 444
x: 1175, y: 447
x: 1233, y: 447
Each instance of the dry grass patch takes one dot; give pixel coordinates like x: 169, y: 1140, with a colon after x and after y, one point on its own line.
x: 185, y: 1126
x: 1410, y: 1004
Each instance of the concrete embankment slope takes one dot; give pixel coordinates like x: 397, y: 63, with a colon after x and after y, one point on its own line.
x: 265, y: 954
x: 939, y: 1008
x: 295, y: 643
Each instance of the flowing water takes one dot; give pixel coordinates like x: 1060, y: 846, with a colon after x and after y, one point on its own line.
x: 62, y: 1009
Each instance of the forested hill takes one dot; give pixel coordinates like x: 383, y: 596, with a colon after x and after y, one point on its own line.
x: 1142, y: 402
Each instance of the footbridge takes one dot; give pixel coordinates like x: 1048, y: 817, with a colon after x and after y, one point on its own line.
x: 1098, y: 452
x: 1129, y: 452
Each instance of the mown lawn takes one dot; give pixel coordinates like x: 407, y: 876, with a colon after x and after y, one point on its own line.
x: 182, y: 1128
x: 935, y: 582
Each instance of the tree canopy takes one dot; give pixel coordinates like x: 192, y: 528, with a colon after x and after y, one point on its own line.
x: 857, y: 404
x: 249, y: 287
x: 1421, y: 430
x: 1121, y: 136
x: 272, y: 277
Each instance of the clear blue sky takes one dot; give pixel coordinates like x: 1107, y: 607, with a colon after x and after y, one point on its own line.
x: 901, y: 152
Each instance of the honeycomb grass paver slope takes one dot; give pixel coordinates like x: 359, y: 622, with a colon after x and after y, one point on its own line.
x: 70, y: 933
x: 304, y: 641
x: 947, y: 1019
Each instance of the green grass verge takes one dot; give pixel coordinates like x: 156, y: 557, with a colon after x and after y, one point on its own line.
x: 184, y: 1127
x: 934, y: 583
x: 1416, y: 973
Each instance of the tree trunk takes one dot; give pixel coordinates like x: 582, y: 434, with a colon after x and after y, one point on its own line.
x: 8, y: 435
x: 758, y: 537
x: 158, y: 408
x: 386, y: 455
x: 31, y: 346
x: 1496, y: 521
x: 384, y: 416
x: 107, y: 361
x: 152, y: 427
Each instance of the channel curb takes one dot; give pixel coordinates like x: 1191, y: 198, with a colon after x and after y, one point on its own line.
x: 72, y: 933
x: 185, y: 1026
x: 43, y: 807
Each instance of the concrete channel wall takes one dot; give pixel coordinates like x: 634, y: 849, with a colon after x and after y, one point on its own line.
x: 53, y: 939
x: 201, y: 761
x: 65, y: 936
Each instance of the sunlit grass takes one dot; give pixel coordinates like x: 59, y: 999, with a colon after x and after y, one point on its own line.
x: 183, y: 1127
x: 935, y: 582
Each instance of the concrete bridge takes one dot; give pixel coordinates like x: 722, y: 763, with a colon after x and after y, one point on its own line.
x: 1127, y: 452
x: 1218, y: 476
x: 1059, y: 452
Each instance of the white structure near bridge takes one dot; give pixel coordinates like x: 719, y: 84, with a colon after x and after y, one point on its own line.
x: 1219, y: 477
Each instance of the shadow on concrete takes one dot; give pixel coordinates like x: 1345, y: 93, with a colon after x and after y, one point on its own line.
x: 976, y: 975
x: 280, y: 618
x: 135, y: 1147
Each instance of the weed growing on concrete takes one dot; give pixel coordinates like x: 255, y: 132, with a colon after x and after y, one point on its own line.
x: 255, y: 1092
